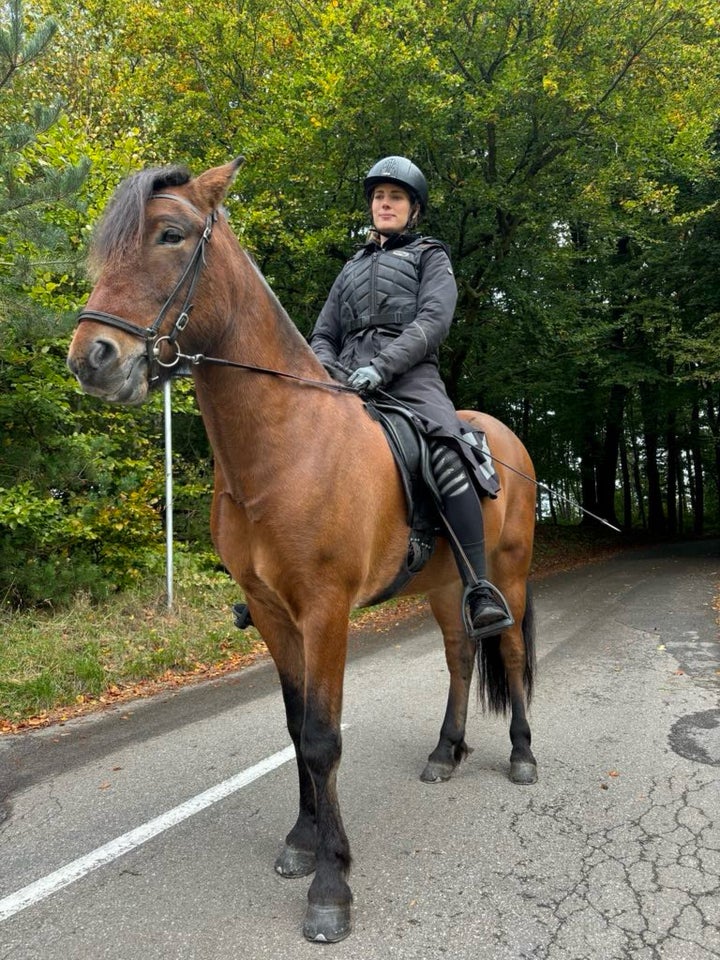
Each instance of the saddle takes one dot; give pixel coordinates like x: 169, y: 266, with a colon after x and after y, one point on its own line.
x: 408, y: 443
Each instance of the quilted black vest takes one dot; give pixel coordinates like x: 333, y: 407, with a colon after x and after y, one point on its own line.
x: 380, y: 289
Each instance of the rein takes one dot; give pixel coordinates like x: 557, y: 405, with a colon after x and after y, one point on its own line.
x: 199, y: 358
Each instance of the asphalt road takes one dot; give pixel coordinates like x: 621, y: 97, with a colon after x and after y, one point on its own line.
x: 111, y: 845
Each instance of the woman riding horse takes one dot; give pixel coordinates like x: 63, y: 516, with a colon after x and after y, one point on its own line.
x: 308, y: 509
x: 387, y: 313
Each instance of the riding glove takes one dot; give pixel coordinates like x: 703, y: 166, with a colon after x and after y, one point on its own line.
x: 365, y: 379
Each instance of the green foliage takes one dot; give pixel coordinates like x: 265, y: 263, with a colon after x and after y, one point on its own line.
x: 34, y: 249
x: 78, y: 510
x: 572, y: 156
x: 80, y: 486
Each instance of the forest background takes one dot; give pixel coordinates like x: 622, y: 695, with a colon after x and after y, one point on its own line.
x: 573, y: 153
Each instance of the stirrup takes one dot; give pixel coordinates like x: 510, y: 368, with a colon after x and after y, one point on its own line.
x: 492, y: 629
x: 241, y: 616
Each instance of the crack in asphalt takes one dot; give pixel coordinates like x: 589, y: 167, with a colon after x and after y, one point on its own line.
x: 648, y: 888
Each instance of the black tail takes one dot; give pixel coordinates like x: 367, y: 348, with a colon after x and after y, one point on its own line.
x: 493, y: 690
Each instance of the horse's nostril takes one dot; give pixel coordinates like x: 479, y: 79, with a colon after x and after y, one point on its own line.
x: 101, y: 353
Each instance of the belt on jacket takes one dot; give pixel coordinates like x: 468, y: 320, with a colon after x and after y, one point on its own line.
x: 393, y: 321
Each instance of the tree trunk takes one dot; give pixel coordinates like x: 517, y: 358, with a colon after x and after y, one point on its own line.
x: 673, y: 469
x: 714, y: 421
x: 607, y: 467
x: 626, y: 489
x: 697, y: 462
x: 637, y: 479
x: 656, y: 517
x: 589, y: 455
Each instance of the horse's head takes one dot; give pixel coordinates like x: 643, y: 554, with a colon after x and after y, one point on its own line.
x: 147, y: 259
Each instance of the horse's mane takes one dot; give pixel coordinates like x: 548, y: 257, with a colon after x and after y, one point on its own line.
x: 121, y: 227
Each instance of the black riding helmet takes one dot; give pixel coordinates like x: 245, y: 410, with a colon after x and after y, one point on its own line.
x: 402, y: 171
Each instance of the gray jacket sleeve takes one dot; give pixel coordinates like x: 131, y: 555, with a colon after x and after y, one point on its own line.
x: 325, y: 339
x: 421, y: 340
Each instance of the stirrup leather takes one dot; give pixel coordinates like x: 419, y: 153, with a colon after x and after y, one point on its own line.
x: 492, y: 629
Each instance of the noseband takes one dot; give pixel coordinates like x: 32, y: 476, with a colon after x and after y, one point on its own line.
x: 149, y: 334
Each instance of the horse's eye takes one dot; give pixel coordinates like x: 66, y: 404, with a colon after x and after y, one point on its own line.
x: 171, y: 235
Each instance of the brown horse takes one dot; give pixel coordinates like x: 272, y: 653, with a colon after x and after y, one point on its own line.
x: 308, y: 512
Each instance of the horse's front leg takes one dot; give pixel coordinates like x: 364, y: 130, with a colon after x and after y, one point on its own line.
x: 460, y: 657
x: 311, y: 669
x: 328, y: 916
x: 285, y: 643
x: 298, y: 856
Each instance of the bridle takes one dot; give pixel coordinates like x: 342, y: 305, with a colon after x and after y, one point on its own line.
x: 188, y: 279
x: 153, y: 342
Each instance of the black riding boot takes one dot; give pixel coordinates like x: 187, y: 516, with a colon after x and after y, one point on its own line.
x: 484, y: 607
x: 241, y: 616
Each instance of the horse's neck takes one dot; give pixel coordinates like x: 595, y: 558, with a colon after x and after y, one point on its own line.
x: 262, y: 333
x: 255, y: 419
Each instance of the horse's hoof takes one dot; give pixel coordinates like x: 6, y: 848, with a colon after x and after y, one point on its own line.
x: 437, y: 772
x: 293, y: 862
x: 523, y: 771
x: 327, y: 924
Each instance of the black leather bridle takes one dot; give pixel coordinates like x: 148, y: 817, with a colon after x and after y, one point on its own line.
x: 153, y: 342
x: 188, y: 280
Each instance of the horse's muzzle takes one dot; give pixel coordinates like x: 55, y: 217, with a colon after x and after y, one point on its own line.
x: 102, y: 371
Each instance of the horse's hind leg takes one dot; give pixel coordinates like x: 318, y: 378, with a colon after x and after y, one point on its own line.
x: 505, y: 668
x: 518, y: 654
x: 460, y: 657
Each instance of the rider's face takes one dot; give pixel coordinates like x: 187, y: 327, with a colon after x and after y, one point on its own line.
x: 390, y: 208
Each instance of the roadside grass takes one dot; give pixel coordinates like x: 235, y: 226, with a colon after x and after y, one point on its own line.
x: 87, y: 651
x: 60, y: 663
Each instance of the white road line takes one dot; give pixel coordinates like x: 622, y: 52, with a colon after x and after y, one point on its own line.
x: 40, y: 889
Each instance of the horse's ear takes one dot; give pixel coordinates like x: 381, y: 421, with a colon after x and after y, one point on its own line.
x: 214, y: 184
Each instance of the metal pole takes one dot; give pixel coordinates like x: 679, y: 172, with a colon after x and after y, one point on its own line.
x: 168, y: 495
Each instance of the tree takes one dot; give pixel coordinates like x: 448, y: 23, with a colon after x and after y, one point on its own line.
x: 30, y: 186
x: 62, y: 509
x: 572, y: 169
